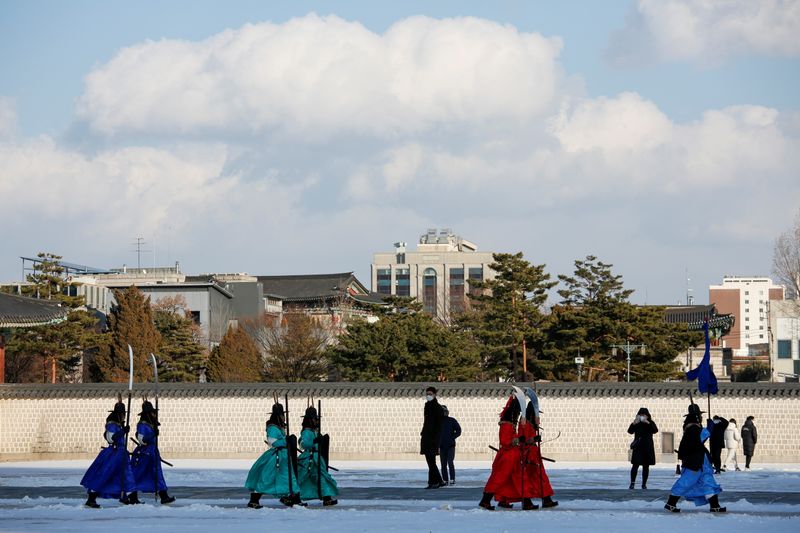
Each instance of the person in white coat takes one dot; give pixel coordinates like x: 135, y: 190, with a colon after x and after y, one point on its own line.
x: 731, y: 444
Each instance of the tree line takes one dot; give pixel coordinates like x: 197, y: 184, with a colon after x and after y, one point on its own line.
x: 505, y: 333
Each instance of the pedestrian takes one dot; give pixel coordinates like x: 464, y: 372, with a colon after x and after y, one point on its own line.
x: 717, y: 427
x: 308, y: 469
x: 146, y: 459
x: 697, y: 483
x: 749, y: 440
x: 451, y: 430
x: 535, y: 482
x: 431, y: 437
x: 500, y: 484
x: 731, y: 444
x: 272, y: 473
x: 643, y: 452
x: 109, y: 475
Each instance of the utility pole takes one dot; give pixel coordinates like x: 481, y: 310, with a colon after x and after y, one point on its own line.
x: 628, y: 348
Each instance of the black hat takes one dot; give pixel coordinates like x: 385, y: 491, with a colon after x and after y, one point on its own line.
x: 147, y: 408
x: 277, y: 409
x: 311, y: 412
x: 694, y: 410
x: 119, y: 409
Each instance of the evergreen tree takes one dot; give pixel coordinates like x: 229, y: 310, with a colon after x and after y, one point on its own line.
x: 181, y: 357
x: 404, y: 344
x: 130, y: 322
x: 507, y: 315
x: 235, y: 360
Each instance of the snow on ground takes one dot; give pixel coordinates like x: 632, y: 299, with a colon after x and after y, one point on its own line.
x: 587, y: 508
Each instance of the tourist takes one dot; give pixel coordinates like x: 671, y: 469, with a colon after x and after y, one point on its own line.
x: 431, y: 436
x: 643, y: 451
x: 451, y: 430
x: 749, y: 439
x: 731, y: 444
x: 717, y: 427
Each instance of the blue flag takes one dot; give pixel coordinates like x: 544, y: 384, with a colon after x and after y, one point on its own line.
x: 706, y: 380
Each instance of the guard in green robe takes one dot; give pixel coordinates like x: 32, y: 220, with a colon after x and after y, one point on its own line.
x: 270, y: 474
x: 311, y: 465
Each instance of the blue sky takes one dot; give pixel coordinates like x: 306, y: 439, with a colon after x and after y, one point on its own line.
x: 659, y: 136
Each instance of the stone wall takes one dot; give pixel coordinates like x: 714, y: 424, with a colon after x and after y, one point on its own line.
x: 383, y: 420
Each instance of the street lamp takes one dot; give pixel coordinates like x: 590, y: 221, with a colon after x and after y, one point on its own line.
x: 628, y: 348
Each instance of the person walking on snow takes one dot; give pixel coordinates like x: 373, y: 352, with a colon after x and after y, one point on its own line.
x: 431, y: 437
x: 643, y: 452
x: 749, y: 439
x: 532, y: 481
x: 146, y: 459
x: 307, y: 467
x: 731, y: 444
x: 451, y: 430
x: 501, y: 483
x: 697, y: 482
x: 717, y: 427
x: 270, y: 473
x: 109, y: 475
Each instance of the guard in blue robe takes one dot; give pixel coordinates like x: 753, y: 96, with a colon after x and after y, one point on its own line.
x: 109, y: 475
x: 146, y: 459
x: 308, y: 468
x: 271, y: 472
x: 697, y: 483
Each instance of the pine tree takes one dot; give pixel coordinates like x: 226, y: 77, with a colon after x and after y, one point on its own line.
x: 130, y: 322
x: 181, y: 357
x: 235, y: 360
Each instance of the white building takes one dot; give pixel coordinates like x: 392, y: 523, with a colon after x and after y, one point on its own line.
x: 747, y: 299
x: 784, y: 319
x: 437, y: 273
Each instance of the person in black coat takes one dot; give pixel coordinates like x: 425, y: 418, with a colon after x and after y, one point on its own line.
x: 451, y: 430
x: 717, y: 442
x: 643, y: 452
x: 431, y: 436
x: 749, y: 439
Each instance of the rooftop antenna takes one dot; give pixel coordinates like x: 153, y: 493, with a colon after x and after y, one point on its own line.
x: 689, y: 296
x: 140, y: 242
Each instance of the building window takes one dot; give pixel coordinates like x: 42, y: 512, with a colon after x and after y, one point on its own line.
x: 429, y: 291
x: 761, y: 336
x: 475, y: 274
x: 457, y: 299
x: 402, y: 278
x: 384, y: 281
x: 746, y: 293
x: 747, y: 319
x: 746, y: 309
x: 401, y: 259
x: 785, y: 349
x: 747, y: 327
x: 747, y: 301
x: 196, y: 317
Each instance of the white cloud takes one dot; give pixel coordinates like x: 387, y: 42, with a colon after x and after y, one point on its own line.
x: 707, y: 31
x: 319, y: 76
x: 8, y: 118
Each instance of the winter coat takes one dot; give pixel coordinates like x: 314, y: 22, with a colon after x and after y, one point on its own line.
x: 431, y: 434
x: 451, y: 430
x: 146, y: 460
x: 732, y: 436
x: 307, y: 470
x: 644, y: 452
x: 691, y: 451
x: 749, y: 437
x: 110, y: 473
x: 270, y: 473
x: 506, y: 462
x: 717, y: 440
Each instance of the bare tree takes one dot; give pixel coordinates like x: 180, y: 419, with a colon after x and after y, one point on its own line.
x: 786, y: 259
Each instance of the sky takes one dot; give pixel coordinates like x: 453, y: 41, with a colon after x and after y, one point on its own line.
x: 662, y: 137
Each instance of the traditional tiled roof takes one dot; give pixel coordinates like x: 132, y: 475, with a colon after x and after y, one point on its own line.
x: 696, y: 315
x: 21, y: 312
x: 395, y: 390
x: 314, y: 286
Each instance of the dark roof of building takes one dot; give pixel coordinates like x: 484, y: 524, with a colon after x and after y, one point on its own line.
x: 696, y: 315
x: 22, y: 312
x: 317, y: 287
x: 175, y: 286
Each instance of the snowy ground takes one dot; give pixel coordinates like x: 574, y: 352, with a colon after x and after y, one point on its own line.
x: 388, y: 496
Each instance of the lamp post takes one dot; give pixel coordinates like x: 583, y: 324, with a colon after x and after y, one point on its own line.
x: 628, y: 348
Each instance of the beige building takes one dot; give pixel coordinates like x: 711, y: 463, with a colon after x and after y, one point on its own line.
x: 437, y: 273
x: 784, y: 326
x: 747, y: 299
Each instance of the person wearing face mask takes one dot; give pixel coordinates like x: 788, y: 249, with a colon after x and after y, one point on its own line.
x: 643, y: 452
x: 431, y: 436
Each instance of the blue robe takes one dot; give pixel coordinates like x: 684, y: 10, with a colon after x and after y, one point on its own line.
x: 110, y: 474
x: 307, y: 470
x: 146, y: 461
x: 697, y: 485
x: 270, y: 473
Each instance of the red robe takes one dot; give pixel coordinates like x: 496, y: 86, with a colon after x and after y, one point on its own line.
x: 507, y: 460
x: 534, y: 483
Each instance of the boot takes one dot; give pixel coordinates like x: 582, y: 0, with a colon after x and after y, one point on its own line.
x: 630, y: 486
x: 505, y: 505
x: 255, y: 498
x: 133, y: 498
x: 672, y: 504
x: 486, y: 501
x: 715, y: 507
x: 327, y: 501
x: 296, y: 500
x: 165, y: 498
x: 91, y: 501
x: 528, y: 505
x: 286, y: 500
x: 548, y: 501
x: 677, y: 470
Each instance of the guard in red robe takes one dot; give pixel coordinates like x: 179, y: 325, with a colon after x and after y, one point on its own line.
x: 532, y: 481
x: 501, y: 483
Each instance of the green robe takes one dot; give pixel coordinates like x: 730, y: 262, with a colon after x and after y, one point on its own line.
x: 270, y: 473
x: 307, y: 469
